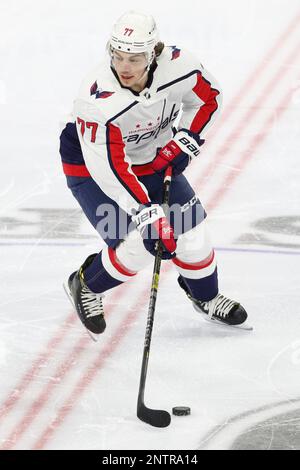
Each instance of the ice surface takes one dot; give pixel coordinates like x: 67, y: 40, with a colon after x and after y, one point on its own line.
x: 59, y: 390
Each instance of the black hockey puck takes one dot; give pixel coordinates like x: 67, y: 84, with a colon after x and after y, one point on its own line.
x: 181, y: 410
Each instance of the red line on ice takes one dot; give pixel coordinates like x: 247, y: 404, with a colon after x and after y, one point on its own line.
x: 43, y: 358
x: 44, y: 396
x: 256, y: 140
x: 247, y: 86
x: 248, y: 153
x: 60, y: 373
x: 91, y: 373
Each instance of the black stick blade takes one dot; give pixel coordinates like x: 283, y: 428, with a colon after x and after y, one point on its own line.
x: 157, y: 418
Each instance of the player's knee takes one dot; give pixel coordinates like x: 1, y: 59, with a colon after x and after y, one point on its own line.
x: 132, y: 253
x: 194, y: 245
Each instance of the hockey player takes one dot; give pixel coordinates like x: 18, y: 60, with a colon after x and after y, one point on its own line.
x: 115, y: 151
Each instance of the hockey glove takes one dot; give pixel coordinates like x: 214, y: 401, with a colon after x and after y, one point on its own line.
x: 153, y: 225
x: 179, y: 152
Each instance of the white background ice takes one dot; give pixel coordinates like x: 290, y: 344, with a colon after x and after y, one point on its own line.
x: 75, y: 394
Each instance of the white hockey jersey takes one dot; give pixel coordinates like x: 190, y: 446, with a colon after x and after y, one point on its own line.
x: 120, y: 130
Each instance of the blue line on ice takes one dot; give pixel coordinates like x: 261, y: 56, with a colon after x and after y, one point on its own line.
x: 220, y: 248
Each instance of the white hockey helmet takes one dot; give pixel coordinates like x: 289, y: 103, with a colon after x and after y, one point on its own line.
x: 134, y: 33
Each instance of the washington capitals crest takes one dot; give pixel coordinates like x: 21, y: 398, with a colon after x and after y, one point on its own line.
x: 99, y: 93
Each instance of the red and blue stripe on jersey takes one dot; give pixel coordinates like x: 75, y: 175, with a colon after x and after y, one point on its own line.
x: 204, y: 90
x: 208, y: 95
x: 71, y: 153
x: 116, y: 157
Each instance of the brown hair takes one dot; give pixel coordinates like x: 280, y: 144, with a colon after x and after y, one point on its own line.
x: 159, y: 48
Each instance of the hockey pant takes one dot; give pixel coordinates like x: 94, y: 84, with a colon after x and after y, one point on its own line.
x: 125, y: 255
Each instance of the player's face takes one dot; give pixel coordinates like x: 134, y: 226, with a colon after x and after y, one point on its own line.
x: 130, y: 69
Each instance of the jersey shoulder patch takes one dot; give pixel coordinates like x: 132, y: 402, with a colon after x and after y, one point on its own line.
x: 98, y: 92
x: 175, y: 51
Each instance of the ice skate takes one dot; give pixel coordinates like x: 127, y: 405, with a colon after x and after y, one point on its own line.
x: 88, y: 304
x: 220, y: 310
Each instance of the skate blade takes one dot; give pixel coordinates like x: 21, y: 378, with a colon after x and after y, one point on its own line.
x: 243, y: 326
x: 67, y: 291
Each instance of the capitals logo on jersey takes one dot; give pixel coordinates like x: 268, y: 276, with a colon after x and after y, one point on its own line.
x: 99, y: 93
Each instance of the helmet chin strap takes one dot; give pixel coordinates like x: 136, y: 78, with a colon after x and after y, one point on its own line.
x: 149, y: 63
x: 144, y: 74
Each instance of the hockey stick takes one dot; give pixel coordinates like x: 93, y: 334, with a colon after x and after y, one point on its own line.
x: 157, y: 418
